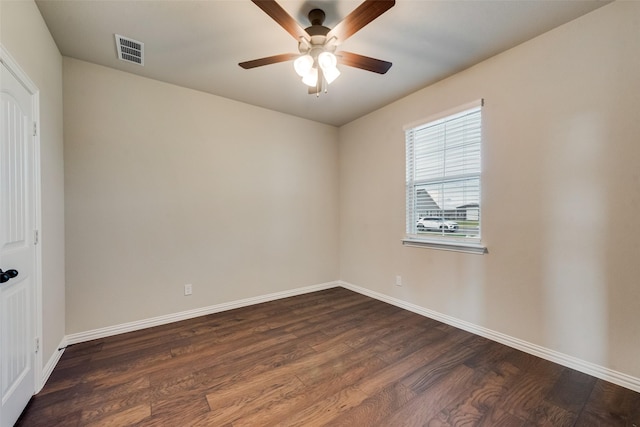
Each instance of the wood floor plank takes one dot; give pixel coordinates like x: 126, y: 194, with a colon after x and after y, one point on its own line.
x: 437, y: 369
x: 56, y: 405
x: 247, y: 375
x: 526, y: 396
x: 425, y: 408
x: 571, y: 390
x: 431, y: 339
x: 221, y: 357
x: 549, y: 415
x: 481, y: 395
x: 239, y: 400
x: 496, y: 417
x: 392, y: 373
x: 612, y: 406
x: 115, y: 400
x: 319, y: 389
x: 331, y: 358
x: 66, y: 376
x: 375, y: 408
x: 326, y: 410
x: 128, y: 416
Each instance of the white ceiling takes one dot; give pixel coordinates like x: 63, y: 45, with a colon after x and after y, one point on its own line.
x: 198, y: 44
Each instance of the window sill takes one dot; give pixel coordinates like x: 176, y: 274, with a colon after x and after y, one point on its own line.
x: 446, y: 245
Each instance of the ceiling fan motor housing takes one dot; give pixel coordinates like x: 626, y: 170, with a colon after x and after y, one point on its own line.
x: 317, y: 32
x: 316, y: 16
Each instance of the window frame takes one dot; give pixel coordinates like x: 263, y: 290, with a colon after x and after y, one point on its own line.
x: 442, y: 241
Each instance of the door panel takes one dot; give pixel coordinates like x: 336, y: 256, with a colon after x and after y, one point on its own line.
x: 17, y: 215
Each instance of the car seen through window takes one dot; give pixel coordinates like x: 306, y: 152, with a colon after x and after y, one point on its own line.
x: 436, y: 224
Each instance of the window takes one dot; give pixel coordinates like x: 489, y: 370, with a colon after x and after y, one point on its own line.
x: 444, y: 181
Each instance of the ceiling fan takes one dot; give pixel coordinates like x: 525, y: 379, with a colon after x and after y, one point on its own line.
x: 317, y: 59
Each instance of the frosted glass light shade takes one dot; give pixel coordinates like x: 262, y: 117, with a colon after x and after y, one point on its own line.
x: 311, y: 78
x: 328, y: 62
x: 303, y: 65
x: 330, y: 74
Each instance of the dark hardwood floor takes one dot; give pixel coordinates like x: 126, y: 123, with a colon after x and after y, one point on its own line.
x: 328, y: 358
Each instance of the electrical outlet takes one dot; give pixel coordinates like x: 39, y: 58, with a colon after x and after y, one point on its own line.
x: 188, y: 289
x: 398, y: 281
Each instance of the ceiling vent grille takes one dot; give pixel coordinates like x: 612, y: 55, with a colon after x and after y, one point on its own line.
x: 130, y: 50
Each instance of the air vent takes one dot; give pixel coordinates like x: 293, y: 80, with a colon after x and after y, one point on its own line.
x: 130, y: 50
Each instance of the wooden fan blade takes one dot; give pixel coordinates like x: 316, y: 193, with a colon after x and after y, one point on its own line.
x: 286, y: 21
x: 361, y: 16
x: 268, y: 60
x: 363, y: 62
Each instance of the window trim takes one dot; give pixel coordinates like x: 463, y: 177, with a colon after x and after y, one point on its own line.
x: 443, y: 114
x: 445, y: 243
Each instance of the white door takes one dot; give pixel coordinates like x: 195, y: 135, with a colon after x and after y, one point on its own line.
x: 17, y: 250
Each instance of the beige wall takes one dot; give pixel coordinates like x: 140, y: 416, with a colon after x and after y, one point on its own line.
x: 561, y: 196
x: 167, y: 186
x: 24, y: 34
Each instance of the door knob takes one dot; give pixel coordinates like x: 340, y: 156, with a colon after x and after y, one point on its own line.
x: 5, y: 276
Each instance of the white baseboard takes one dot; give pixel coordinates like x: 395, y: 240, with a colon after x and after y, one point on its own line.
x: 51, y: 364
x: 589, y: 368
x: 190, y: 314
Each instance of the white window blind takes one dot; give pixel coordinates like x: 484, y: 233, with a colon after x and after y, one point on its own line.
x: 443, y: 177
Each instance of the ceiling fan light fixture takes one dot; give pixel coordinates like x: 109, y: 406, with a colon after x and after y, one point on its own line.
x: 316, y: 63
x: 328, y: 62
x: 303, y: 65
x: 331, y: 74
x: 311, y: 78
